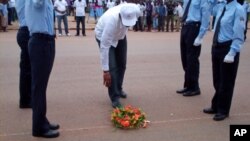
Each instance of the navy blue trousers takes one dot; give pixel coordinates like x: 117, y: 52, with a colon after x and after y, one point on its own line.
x: 25, y: 69
x: 224, y: 75
x: 42, y: 54
x: 190, y: 55
x: 80, y: 19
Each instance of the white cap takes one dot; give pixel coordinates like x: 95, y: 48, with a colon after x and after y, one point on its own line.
x: 128, y: 15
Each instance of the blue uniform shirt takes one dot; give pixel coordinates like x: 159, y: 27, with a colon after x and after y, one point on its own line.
x: 39, y: 16
x: 199, y: 11
x: 232, y: 26
x: 20, y: 9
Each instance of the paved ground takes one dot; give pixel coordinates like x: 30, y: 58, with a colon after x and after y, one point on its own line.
x: 80, y: 104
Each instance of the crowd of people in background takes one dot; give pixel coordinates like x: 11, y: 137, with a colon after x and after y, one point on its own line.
x: 155, y: 15
x: 7, y: 13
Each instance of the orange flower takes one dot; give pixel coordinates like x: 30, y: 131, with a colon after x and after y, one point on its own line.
x: 117, y: 111
x: 137, y: 116
x: 125, y: 123
x: 136, y: 111
x: 126, y: 117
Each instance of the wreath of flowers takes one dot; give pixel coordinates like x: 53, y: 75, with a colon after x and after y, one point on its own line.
x: 128, y: 117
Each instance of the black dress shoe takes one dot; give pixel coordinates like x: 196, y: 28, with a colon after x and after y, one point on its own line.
x: 219, y: 116
x: 192, y: 93
x: 123, y: 94
x: 209, y: 111
x: 48, y: 134
x: 116, y: 104
x: 181, y: 91
x: 54, y: 126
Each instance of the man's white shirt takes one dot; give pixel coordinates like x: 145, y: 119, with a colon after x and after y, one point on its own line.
x: 109, y: 30
x: 61, y: 6
x: 80, y: 7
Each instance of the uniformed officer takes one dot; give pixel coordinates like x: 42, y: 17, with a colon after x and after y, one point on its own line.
x: 25, y: 70
x: 195, y: 24
x: 227, y: 43
x: 39, y: 19
x: 110, y: 34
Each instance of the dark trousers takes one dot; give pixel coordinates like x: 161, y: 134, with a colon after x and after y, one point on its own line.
x: 10, y: 15
x: 25, y: 69
x: 78, y: 21
x: 170, y: 18
x: 149, y: 22
x: 117, y: 67
x: 190, y: 55
x: 42, y: 54
x: 224, y: 75
x: 161, y: 23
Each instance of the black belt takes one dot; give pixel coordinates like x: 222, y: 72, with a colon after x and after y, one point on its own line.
x: 223, y: 44
x: 23, y: 28
x: 43, y: 36
x: 192, y: 23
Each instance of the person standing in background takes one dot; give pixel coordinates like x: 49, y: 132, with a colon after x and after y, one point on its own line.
x: 11, y: 11
x: 80, y: 16
x: 140, y: 21
x: 4, y: 15
x: 179, y: 12
x: 41, y: 47
x: 161, y: 16
x: 61, y: 13
x: 149, y: 11
x: 170, y: 16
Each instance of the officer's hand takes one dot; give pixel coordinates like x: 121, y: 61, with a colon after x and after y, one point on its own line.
x: 106, y: 79
x: 229, y: 58
x: 197, y: 41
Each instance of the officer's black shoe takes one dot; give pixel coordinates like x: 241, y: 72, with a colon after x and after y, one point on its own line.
x: 192, y: 93
x: 209, y: 111
x: 219, y: 116
x: 48, y: 134
x: 181, y: 91
x: 123, y: 94
x: 54, y: 126
x: 116, y: 104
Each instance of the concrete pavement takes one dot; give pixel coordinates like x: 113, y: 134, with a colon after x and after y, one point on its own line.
x: 79, y: 102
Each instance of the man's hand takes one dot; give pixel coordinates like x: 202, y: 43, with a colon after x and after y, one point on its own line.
x: 106, y: 79
x: 197, y: 41
x: 229, y: 58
